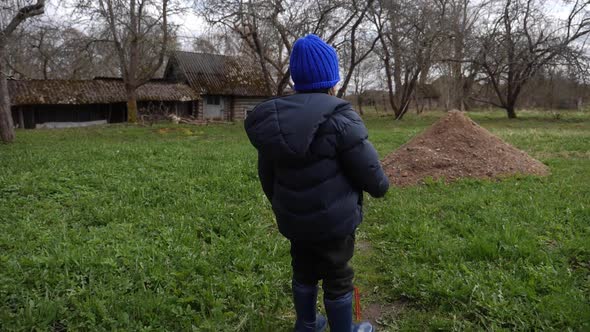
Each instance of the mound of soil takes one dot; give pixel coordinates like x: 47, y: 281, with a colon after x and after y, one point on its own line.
x: 456, y: 147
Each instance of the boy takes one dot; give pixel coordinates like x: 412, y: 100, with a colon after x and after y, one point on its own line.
x: 314, y: 162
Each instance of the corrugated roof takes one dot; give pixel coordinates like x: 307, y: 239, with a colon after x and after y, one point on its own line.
x: 58, y: 92
x: 219, y: 74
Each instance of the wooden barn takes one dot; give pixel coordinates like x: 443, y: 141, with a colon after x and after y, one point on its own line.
x: 229, y: 88
x: 426, y: 96
x: 36, y: 102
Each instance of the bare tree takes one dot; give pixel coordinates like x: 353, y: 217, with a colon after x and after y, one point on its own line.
x: 365, y: 77
x: 358, y: 45
x: 409, y: 35
x: 139, y: 33
x: 55, y: 49
x: 249, y: 20
x: 12, y: 14
x: 269, y: 28
x: 459, y: 74
x: 521, y: 40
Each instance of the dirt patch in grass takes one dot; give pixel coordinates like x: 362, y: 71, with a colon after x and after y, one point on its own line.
x: 456, y: 147
x: 363, y: 245
x: 380, y: 314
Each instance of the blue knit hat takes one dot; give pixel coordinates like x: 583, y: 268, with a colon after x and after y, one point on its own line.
x: 313, y: 64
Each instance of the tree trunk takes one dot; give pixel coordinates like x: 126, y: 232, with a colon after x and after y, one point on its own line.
x: 403, y: 109
x: 283, y: 83
x: 511, y: 112
x: 360, y: 104
x: 457, y: 101
x: 6, y: 124
x: 458, y: 80
x: 131, y: 106
x: 390, y: 93
x: 467, y: 86
x: 388, y: 75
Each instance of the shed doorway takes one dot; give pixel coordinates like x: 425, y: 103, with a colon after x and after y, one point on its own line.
x: 214, y: 106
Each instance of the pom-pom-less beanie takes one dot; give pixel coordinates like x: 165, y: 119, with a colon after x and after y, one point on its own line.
x: 313, y: 64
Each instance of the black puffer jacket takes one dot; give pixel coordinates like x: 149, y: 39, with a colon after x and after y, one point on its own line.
x: 314, y: 161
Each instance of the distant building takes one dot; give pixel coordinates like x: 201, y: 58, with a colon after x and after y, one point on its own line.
x: 425, y: 97
x: 229, y: 88
x: 199, y: 85
x: 35, y: 102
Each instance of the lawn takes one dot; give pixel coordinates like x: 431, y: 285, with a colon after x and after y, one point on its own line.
x: 165, y: 227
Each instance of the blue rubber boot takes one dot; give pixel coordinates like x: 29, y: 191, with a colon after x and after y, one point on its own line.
x: 305, y: 300
x: 340, y: 315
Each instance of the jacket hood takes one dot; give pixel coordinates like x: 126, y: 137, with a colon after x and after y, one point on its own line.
x: 285, y: 127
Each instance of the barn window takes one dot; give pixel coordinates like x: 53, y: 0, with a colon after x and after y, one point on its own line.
x: 213, y: 100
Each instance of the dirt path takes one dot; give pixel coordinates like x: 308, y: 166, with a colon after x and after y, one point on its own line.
x: 383, y: 314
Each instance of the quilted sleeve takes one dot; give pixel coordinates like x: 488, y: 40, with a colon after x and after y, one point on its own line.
x: 266, y: 175
x: 357, y: 155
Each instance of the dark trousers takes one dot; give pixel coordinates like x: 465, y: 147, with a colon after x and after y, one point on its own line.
x: 327, y: 261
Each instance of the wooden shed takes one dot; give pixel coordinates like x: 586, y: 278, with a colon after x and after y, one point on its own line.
x: 229, y: 87
x: 36, y: 102
x: 426, y: 96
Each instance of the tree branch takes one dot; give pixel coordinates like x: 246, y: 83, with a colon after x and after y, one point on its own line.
x: 24, y: 13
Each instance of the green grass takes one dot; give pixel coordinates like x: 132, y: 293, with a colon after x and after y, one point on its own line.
x: 143, y: 228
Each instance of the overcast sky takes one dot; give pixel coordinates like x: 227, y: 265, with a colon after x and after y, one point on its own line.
x: 191, y: 25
